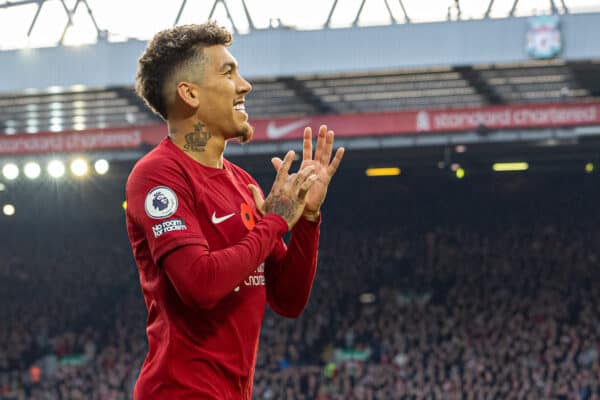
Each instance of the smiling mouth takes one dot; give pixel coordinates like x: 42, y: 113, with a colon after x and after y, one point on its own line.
x: 241, y: 107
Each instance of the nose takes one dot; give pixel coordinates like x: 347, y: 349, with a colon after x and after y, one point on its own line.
x: 244, y: 86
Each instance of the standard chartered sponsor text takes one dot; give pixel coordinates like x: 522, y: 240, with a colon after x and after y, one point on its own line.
x: 555, y: 115
x: 103, y: 140
x: 69, y: 142
x: 516, y: 117
x: 471, y: 119
x: 258, y: 279
x: 31, y: 144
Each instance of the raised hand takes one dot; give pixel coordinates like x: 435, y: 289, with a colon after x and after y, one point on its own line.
x: 324, y: 167
x: 288, y: 194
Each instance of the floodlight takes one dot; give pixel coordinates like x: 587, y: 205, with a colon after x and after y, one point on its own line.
x: 56, y: 168
x: 10, y: 171
x: 101, y: 167
x: 79, y: 167
x: 8, y: 210
x: 32, y: 170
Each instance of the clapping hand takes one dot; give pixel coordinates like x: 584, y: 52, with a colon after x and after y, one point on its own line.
x: 289, y: 192
x: 324, y: 168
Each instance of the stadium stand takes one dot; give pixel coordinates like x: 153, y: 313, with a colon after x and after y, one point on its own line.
x: 456, y: 290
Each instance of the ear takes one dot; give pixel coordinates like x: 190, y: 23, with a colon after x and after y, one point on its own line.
x: 188, y: 93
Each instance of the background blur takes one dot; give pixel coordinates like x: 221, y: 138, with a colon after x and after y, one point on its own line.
x: 459, y: 255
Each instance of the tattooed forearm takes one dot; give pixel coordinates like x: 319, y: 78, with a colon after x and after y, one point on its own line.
x: 196, y: 141
x: 281, y: 205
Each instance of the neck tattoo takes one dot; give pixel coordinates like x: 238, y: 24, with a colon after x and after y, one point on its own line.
x: 196, y: 141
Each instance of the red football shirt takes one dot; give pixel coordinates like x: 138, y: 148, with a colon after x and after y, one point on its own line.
x: 227, y: 260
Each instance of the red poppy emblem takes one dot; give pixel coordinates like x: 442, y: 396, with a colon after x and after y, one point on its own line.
x: 247, y: 216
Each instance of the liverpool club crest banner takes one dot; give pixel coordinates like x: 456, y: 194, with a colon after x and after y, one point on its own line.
x: 543, y: 37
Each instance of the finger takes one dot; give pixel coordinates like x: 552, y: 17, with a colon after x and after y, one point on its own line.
x: 307, y: 145
x: 282, y: 172
x: 291, y: 178
x: 306, y: 186
x: 320, y: 142
x: 332, y: 168
x: 301, y: 178
x: 308, y: 170
x: 258, y: 200
x: 326, y: 156
x: 276, y: 161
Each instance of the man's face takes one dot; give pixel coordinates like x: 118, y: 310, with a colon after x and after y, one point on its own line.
x: 222, y: 94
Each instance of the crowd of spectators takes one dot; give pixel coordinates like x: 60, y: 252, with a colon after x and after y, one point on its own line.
x: 492, y: 302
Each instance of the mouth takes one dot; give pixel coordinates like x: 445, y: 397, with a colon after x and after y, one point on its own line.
x: 240, y: 106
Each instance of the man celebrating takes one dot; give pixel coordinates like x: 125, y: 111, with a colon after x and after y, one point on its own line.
x: 208, y: 246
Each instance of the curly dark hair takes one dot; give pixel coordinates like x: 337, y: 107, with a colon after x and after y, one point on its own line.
x: 170, y: 52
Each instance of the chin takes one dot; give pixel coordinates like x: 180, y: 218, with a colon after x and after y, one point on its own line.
x: 245, y: 133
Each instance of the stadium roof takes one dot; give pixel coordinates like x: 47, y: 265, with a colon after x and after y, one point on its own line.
x: 40, y: 23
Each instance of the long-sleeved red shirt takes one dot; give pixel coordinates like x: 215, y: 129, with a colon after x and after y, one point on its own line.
x: 208, y: 263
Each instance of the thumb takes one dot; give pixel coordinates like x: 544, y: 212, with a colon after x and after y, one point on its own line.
x: 258, y: 200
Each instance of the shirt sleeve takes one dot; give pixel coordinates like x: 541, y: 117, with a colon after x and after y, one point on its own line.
x: 290, y: 271
x: 202, y: 278
x: 161, y: 204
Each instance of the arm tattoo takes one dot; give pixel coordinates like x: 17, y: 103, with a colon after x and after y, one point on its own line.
x: 196, y: 141
x: 281, y: 205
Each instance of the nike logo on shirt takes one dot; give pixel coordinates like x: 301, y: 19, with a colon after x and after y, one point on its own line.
x: 217, y: 220
x: 274, y: 132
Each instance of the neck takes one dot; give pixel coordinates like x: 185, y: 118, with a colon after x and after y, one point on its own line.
x: 198, y: 142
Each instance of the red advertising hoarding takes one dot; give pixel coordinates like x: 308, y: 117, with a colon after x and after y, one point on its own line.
x: 414, y: 122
